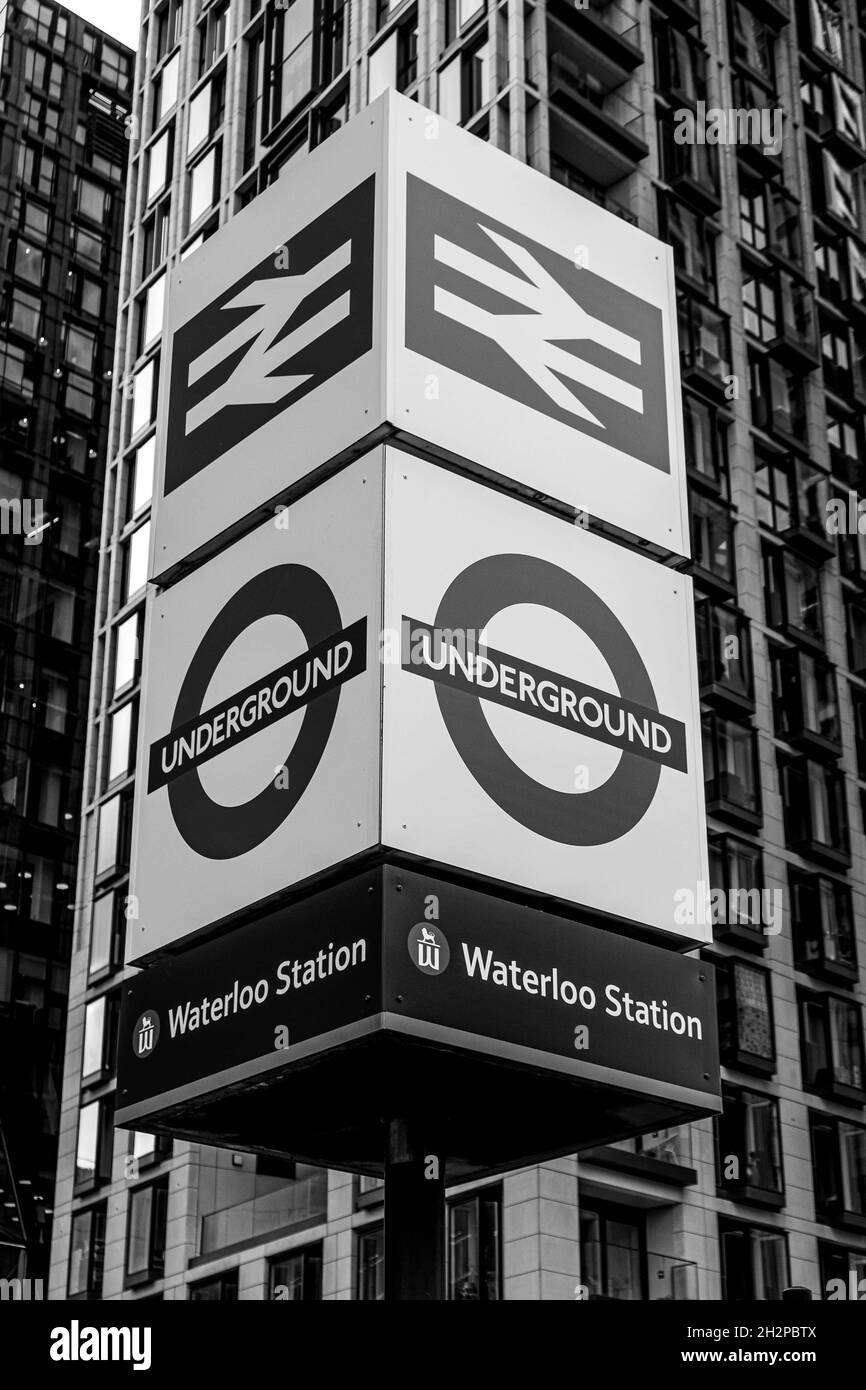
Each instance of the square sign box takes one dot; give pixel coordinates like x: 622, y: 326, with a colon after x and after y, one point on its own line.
x: 406, y: 280
x: 406, y: 660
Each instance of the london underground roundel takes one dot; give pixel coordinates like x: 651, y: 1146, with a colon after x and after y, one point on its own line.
x: 540, y: 729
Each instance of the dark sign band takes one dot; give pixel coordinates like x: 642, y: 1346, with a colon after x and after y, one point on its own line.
x: 291, y: 686
x: 517, y: 684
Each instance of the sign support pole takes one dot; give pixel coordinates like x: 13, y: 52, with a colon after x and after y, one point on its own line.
x: 414, y: 1217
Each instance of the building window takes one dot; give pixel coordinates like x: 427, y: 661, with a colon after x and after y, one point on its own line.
x: 805, y: 707
x: 706, y: 436
x: 731, y: 769
x: 289, y: 71
x: 121, y: 740
x: 813, y: 802
x: 371, y: 1264
x: 127, y: 653
x: 297, y: 1275
x: 704, y: 335
x: 831, y: 1046
x: 212, y: 34
x: 759, y: 305
x: 204, y: 184
x: 776, y: 398
x: 724, y: 653
x: 106, y: 935
x: 144, y: 396
x: 93, y: 202
x: 151, y: 308
x: 25, y: 313
x: 113, y: 839
x: 167, y: 26
x: 792, y: 595
x: 253, y: 106
x: 159, y: 163
x: 745, y: 1003
x: 165, y: 90
x: 736, y: 873
x: 839, y: 1169
x: 754, y: 1263
x: 843, y: 1272
x: 93, y: 1152
x: 474, y: 1247
x: 825, y: 20
x: 135, y: 557
x: 749, y: 1148
x: 155, y: 239
x: 712, y: 526
x: 87, y: 1253
x: 206, y: 111
x: 224, y: 1289
x: 855, y: 624
x: 612, y: 1252
x: 100, y: 1039
x: 145, y: 1150
x: 145, y: 1232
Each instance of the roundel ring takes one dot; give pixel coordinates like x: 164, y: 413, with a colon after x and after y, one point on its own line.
x: 222, y: 832
x: 571, y: 818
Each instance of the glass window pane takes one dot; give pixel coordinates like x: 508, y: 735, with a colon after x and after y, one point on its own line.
x: 138, y: 1240
x: 101, y: 933
x: 109, y: 824
x: 136, y: 560
x: 153, y: 311
x: 119, y: 741
x: 94, y: 1035
x: 125, y: 652
x: 88, y: 1139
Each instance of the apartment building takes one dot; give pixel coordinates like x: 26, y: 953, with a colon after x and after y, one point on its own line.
x: 625, y: 103
x: 64, y: 97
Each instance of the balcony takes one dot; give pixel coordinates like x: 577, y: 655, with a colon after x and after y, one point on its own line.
x: 842, y: 125
x: 796, y: 339
x: 724, y: 656
x: 302, y: 1202
x: 691, y: 170
x: 810, y: 493
x: 598, y: 132
x: 664, y: 1155
x: 686, y: 14
x: 805, y: 704
x: 752, y: 98
x: 604, y: 35
x: 705, y: 355
x: 823, y: 926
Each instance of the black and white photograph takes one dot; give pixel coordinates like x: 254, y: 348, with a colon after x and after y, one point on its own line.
x: 432, y: 677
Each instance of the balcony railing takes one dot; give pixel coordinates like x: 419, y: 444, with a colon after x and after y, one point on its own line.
x: 289, y: 1205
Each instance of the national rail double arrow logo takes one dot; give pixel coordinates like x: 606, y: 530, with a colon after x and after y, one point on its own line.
x: 629, y: 720
x: 312, y: 682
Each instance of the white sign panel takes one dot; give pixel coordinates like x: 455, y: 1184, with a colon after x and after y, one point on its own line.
x: 272, y: 346
x: 541, y: 714
x: 407, y: 279
x: 533, y: 333
x: 259, y: 751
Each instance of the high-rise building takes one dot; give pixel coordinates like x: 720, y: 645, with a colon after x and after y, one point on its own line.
x: 65, y: 92
x: 735, y: 131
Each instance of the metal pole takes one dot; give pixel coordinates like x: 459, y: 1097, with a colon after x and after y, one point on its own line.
x: 414, y: 1217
